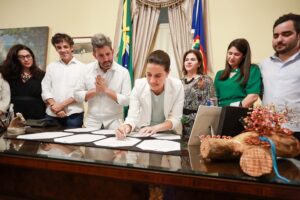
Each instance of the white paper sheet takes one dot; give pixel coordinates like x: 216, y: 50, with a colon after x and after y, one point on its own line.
x: 44, y: 135
x: 159, y: 145
x: 80, y: 138
x: 114, y: 142
x: 104, y: 132
x: 166, y: 136
x: 81, y: 130
x: 138, y: 135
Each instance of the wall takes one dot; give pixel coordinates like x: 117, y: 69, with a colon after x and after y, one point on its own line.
x: 77, y: 18
x: 227, y: 20
x: 251, y: 19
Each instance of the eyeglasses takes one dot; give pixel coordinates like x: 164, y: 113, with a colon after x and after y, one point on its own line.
x: 21, y: 57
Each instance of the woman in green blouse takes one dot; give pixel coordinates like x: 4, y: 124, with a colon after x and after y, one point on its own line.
x: 239, y: 84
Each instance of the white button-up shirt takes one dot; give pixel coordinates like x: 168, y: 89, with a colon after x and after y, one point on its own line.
x: 281, y: 81
x: 59, y: 83
x: 101, y: 108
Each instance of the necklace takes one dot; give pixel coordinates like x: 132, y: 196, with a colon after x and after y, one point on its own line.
x: 25, y: 77
x: 186, y: 81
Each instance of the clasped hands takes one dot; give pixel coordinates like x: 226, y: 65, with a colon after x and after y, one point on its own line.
x: 100, y: 84
x: 58, y: 109
x: 125, y: 129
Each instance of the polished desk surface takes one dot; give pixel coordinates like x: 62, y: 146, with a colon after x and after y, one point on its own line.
x: 189, y: 164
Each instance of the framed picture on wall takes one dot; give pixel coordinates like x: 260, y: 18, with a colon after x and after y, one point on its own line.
x: 36, y: 38
x: 83, y: 49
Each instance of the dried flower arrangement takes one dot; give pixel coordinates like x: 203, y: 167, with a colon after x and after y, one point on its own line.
x: 266, y: 121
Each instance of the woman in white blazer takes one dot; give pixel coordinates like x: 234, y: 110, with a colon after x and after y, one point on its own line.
x: 156, y: 102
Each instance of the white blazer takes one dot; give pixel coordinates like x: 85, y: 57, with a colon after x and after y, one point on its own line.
x: 4, y: 95
x: 140, y: 106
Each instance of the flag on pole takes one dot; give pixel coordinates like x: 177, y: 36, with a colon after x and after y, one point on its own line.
x: 199, y: 33
x: 125, y: 48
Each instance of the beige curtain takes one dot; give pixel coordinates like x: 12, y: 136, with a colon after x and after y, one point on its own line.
x: 145, y: 14
x: 180, y: 17
x: 144, y: 25
x: 118, y: 29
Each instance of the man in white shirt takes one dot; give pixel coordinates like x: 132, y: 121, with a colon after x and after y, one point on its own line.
x: 59, y: 83
x: 281, y: 71
x: 106, y: 87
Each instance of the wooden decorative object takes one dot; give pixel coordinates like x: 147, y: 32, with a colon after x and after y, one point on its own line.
x: 261, y: 123
x: 255, y: 159
x: 222, y: 149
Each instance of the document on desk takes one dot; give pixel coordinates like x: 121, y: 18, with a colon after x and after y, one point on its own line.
x: 81, y: 130
x: 159, y: 145
x: 166, y: 136
x: 138, y: 135
x: 104, y: 132
x: 162, y: 136
x: 79, y: 138
x: 44, y: 135
x: 114, y: 142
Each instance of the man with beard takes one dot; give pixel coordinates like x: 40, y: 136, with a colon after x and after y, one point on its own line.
x: 59, y: 82
x: 281, y: 71
x: 106, y: 87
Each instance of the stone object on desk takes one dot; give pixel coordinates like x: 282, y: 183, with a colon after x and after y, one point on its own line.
x: 17, y: 125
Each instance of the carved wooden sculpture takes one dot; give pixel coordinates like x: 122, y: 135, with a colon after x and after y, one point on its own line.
x: 255, y: 156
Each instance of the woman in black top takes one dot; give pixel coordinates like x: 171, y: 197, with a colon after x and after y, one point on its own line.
x: 19, y: 69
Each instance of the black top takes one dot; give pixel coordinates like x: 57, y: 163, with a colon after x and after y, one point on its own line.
x: 27, y: 99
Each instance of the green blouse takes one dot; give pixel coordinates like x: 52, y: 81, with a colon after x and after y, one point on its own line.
x: 230, y: 90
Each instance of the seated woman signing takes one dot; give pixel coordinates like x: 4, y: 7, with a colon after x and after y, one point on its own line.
x: 156, y: 102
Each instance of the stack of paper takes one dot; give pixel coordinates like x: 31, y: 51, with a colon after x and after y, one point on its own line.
x: 159, y: 145
x: 80, y: 138
x: 81, y: 130
x: 138, y: 135
x: 166, y: 136
x: 44, y: 135
x: 114, y: 142
x: 104, y: 132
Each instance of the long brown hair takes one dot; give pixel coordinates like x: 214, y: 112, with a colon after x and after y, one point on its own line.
x: 199, y: 58
x: 242, y: 46
x: 11, y: 68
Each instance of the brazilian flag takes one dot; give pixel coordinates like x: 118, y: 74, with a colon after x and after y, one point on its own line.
x: 125, y: 48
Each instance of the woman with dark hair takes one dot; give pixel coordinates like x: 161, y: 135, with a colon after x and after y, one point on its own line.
x: 19, y: 69
x: 239, y: 84
x: 198, y: 89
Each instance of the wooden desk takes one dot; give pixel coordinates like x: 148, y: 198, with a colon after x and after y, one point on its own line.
x: 27, y: 174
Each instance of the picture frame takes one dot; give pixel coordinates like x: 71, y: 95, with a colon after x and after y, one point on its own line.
x: 36, y: 38
x: 83, y: 50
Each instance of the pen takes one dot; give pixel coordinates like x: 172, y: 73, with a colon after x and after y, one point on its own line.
x: 212, y: 132
x: 122, y: 128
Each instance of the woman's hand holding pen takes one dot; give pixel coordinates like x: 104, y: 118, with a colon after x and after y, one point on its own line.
x: 122, y: 131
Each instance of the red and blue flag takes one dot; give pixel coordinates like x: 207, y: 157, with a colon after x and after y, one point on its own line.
x: 199, y: 31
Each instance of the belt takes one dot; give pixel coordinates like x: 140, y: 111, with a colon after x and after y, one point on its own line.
x: 188, y: 111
